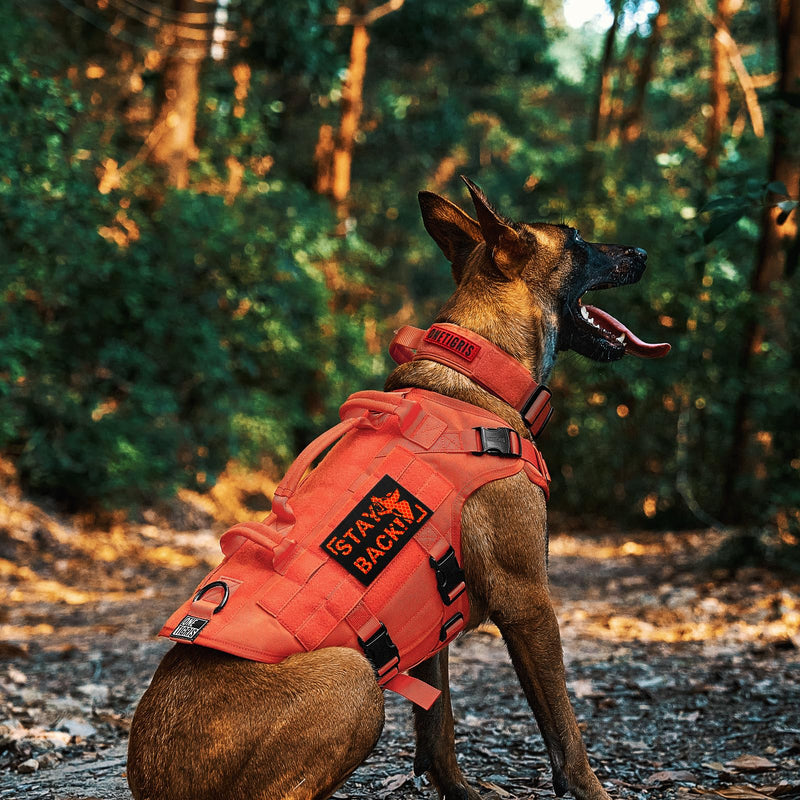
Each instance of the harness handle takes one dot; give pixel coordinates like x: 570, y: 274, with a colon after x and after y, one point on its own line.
x: 365, y: 401
x: 374, y: 401
x: 293, y: 478
x: 265, y: 535
x: 257, y: 532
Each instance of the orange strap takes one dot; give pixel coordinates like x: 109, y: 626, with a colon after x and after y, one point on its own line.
x: 479, y: 359
x: 413, y: 689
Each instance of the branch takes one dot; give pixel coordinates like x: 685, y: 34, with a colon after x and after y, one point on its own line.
x: 762, y: 81
x: 745, y: 81
x: 735, y: 57
x: 345, y: 16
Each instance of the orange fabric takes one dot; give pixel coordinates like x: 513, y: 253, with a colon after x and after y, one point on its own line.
x: 284, y: 588
x: 484, y: 362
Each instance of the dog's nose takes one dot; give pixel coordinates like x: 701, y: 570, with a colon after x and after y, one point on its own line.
x: 641, y: 253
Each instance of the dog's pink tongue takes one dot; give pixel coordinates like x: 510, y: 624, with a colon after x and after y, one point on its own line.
x: 633, y: 344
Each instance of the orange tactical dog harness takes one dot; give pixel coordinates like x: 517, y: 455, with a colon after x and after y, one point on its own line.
x: 366, y: 551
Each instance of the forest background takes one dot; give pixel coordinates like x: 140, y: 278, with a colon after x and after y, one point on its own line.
x: 209, y: 231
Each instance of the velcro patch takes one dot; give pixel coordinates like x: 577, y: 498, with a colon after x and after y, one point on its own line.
x: 454, y: 343
x: 375, y: 531
x: 189, y: 628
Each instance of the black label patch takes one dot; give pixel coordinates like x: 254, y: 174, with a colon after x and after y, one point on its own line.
x: 189, y: 628
x: 455, y: 344
x: 374, y: 532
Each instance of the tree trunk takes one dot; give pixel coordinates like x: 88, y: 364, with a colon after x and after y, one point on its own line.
x: 334, y: 154
x: 777, y: 247
x: 323, y: 158
x: 174, y: 129
x: 720, y: 98
x: 602, y: 107
x: 352, y: 105
x: 632, y: 121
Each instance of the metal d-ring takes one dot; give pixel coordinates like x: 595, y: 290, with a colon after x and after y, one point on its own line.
x: 215, y: 585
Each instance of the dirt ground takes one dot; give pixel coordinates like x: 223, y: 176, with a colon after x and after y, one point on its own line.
x: 686, y: 681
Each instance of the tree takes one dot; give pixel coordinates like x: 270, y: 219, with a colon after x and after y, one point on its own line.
x: 334, y: 154
x: 720, y: 75
x: 631, y: 123
x: 602, y: 106
x: 777, y: 253
x: 186, y: 39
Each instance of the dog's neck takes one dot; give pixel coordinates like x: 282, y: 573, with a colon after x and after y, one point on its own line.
x: 505, y: 314
x: 503, y: 317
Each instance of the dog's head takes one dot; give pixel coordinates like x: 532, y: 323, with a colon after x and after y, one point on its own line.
x: 520, y: 284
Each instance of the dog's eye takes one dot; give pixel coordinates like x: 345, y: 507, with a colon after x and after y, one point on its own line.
x: 578, y: 237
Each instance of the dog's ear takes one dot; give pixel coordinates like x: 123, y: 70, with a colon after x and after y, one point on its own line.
x: 455, y: 232
x: 505, y: 246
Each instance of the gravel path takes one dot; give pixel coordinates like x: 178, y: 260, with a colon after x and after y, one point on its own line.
x: 685, y: 681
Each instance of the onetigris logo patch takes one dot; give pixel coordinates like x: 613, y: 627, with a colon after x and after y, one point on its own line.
x: 374, y: 532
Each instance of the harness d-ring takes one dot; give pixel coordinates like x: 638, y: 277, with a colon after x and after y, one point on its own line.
x: 215, y: 585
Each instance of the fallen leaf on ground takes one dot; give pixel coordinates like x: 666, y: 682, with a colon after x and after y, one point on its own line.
x: 783, y: 789
x: 751, y: 764
x: 583, y: 688
x: 393, y: 782
x: 498, y: 790
x: 738, y: 792
x: 670, y: 776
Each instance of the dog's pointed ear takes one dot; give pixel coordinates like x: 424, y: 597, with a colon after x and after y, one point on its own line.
x: 503, y: 242
x: 455, y: 232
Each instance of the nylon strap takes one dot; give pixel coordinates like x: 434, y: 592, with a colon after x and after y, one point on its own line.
x: 413, y: 689
x: 479, y: 359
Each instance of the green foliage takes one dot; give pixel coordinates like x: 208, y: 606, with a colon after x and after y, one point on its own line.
x: 142, y: 342
x: 146, y: 337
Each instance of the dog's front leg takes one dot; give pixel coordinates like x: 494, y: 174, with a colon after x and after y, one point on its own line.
x: 530, y: 629
x: 436, y: 750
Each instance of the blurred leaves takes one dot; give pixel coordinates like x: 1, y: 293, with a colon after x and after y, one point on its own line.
x: 146, y: 336
x: 144, y: 342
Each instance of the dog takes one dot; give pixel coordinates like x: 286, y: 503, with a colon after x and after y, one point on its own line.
x: 215, y: 726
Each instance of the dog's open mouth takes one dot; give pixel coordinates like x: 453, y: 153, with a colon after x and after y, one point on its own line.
x: 589, y: 330
x: 622, y: 341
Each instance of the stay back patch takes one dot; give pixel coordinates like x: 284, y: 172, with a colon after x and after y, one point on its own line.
x: 189, y: 628
x: 375, y: 531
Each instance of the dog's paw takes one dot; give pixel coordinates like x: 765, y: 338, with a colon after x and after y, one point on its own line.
x: 460, y: 792
x: 422, y: 764
x: 594, y: 791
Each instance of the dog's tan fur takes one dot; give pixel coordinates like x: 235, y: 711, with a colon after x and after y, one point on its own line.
x: 215, y: 727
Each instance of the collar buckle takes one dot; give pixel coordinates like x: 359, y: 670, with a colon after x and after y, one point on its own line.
x: 536, y: 411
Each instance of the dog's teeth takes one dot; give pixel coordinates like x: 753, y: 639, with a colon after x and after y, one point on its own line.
x: 621, y: 338
x: 584, y: 312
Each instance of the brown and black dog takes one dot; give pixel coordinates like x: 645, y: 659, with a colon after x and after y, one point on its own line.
x: 212, y: 726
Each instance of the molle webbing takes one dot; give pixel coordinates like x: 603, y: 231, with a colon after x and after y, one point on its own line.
x: 365, y: 550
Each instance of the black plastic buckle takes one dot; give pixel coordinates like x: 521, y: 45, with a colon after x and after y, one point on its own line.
x: 444, y: 632
x: 381, y: 651
x: 533, y: 408
x: 503, y: 442
x: 449, y: 576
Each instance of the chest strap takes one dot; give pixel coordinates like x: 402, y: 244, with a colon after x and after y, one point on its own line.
x: 479, y: 359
